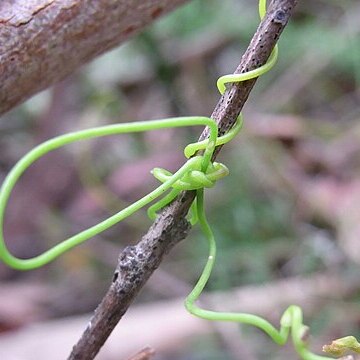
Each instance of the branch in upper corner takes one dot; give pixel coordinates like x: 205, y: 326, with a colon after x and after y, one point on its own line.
x: 42, y: 41
x: 137, y: 263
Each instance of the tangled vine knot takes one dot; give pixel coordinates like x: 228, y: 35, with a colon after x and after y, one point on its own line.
x: 195, y: 178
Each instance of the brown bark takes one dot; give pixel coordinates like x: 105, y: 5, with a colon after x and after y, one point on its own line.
x: 137, y: 263
x: 42, y: 41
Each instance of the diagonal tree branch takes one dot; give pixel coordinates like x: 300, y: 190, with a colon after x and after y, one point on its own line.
x: 137, y: 263
x: 42, y: 41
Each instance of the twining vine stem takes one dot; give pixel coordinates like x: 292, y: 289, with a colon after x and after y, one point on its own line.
x: 199, y: 172
x: 138, y: 262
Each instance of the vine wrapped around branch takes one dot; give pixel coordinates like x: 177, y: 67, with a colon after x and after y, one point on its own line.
x: 196, y: 174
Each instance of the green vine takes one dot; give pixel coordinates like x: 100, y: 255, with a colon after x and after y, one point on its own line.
x: 197, y: 173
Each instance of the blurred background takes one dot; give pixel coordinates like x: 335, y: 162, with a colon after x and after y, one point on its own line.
x: 287, y: 219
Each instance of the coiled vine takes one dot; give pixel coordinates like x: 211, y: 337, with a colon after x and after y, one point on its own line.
x: 197, y: 173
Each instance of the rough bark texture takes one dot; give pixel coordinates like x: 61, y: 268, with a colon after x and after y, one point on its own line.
x: 42, y: 41
x: 136, y: 263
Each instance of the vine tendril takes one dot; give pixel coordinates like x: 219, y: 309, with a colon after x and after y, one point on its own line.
x: 197, y: 173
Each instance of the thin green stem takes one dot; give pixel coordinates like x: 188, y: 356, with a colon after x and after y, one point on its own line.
x: 291, y: 319
x: 60, y: 141
x: 196, y: 174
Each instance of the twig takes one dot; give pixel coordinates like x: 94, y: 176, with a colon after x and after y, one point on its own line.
x: 137, y: 263
x: 144, y: 354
